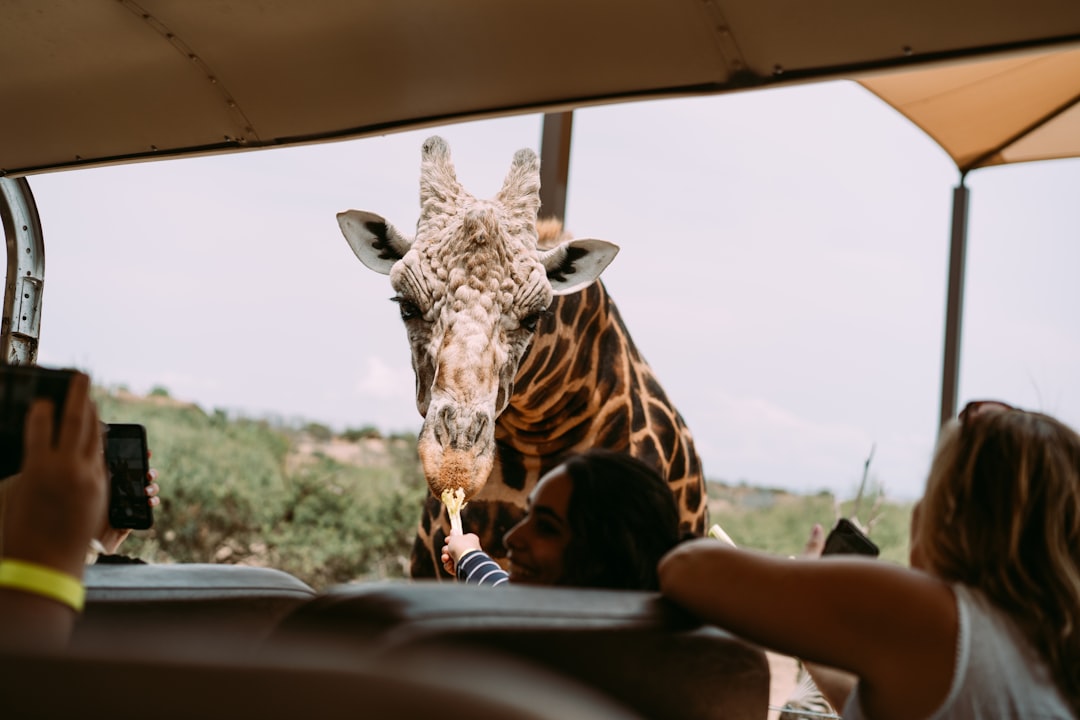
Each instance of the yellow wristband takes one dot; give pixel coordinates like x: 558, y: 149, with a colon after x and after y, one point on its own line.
x: 42, y: 580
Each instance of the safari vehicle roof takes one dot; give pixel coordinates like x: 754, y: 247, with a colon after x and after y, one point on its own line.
x: 87, y: 82
x: 93, y: 82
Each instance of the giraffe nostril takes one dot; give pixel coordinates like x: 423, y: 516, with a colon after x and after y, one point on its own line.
x: 455, y: 429
x: 480, y: 423
x: 444, y: 429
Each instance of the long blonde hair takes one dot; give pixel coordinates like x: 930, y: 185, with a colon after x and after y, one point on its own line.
x: 1001, y: 513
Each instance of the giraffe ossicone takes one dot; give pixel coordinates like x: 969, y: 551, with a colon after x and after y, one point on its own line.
x: 489, y: 297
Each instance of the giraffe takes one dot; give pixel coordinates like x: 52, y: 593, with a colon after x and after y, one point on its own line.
x: 520, y: 356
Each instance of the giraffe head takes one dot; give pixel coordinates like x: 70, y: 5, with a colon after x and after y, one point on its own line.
x: 471, y: 287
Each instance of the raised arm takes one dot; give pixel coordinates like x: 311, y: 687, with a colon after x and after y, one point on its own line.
x: 462, y: 556
x: 894, y: 628
x: 52, y: 509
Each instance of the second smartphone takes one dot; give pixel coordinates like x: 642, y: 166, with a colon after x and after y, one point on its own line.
x: 847, y: 539
x: 127, y: 459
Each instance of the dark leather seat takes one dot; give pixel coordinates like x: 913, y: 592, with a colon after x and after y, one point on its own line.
x: 136, y: 607
x: 633, y: 646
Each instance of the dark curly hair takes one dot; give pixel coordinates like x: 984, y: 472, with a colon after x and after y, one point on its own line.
x: 622, y: 518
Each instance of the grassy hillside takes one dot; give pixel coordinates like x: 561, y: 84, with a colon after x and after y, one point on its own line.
x: 779, y: 522
x: 246, y: 491
x: 332, y: 509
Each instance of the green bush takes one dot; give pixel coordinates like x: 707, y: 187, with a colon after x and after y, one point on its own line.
x: 318, y: 431
x: 363, y: 433
x: 347, y: 523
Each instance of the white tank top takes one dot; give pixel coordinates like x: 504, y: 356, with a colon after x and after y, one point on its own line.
x: 998, y: 674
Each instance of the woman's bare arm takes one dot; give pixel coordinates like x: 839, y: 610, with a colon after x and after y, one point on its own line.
x: 892, y: 627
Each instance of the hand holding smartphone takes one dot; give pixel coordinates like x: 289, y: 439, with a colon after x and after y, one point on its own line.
x: 847, y: 539
x: 126, y: 455
x: 127, y: 460
x: 20, y: 385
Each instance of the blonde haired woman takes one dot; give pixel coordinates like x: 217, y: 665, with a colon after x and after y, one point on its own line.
x: 985, y: 624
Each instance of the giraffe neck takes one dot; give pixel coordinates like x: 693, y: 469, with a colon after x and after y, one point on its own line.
x: 571, y: 372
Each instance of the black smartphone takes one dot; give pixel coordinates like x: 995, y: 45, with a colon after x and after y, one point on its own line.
x: 20, y: 385
x: 127, y: 460
x: 847, y: 539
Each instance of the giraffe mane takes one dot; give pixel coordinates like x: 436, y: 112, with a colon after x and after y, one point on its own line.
x: 550, y: 233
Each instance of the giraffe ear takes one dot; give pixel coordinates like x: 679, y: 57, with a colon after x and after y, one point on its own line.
x: 575, y: 264
x: 376, y: 242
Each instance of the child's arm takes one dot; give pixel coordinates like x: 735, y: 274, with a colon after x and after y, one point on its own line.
x: 462, y: 556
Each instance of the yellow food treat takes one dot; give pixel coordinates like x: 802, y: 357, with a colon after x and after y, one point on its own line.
x: 718, y: 532
x: 454, y: 501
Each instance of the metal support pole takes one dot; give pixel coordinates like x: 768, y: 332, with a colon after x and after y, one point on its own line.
x: 555, y: 164
x: 954, y: 307
x: 25, y: 274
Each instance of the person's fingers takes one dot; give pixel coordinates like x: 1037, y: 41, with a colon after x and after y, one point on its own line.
x: 95, y: 435
x: 73, y: 432
x: 38, y: 430
x: 154, y: 501
x: 82, y: 428
x: 816, y: 542
x: 152, y: 489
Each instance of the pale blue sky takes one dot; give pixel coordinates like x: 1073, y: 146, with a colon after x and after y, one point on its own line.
x: 783, y: 268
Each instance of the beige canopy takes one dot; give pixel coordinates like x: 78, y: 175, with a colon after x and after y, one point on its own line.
x: 990, y: 112
x: 97, y: 81
x: 986, y: 112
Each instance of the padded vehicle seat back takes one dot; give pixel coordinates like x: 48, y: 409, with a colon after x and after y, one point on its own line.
x: 135, y: 606
x: 633, y: 646
x: 421, y: 685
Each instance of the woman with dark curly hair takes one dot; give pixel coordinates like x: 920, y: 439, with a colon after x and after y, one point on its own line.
x: 599, y: 519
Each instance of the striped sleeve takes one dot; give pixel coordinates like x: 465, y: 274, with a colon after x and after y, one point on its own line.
x: 477, y: 568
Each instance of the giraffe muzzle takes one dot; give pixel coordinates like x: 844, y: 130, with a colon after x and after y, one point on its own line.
x: 456, y: 450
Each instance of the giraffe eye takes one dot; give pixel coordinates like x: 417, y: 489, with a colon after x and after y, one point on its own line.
x: 530, y: 321
x: 407, y: 307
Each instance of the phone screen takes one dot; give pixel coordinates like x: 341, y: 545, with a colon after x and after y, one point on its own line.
x: 19, y: 386
x: 847, y: 539
x: 126, y: 459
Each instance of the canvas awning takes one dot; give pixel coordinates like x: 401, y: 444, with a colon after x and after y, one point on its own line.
x: 991, y: 112
x: 97, y: 81
x: 1019, y: 108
